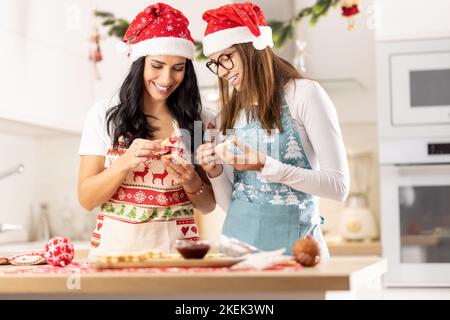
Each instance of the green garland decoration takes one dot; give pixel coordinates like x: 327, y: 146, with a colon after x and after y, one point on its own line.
x: 282, y: 31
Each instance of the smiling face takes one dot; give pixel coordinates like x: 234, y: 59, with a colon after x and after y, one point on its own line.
x: 163, y: 75
x: 231, y: 67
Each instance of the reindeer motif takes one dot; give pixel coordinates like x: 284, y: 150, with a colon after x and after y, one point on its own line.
x: 141, y: 174
x: 161, y: 176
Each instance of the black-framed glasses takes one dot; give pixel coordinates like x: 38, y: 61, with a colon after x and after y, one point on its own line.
x: 224, y: 60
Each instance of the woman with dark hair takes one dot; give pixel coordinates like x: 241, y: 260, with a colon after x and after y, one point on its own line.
x: 287, y: 148
x: 136, y: 155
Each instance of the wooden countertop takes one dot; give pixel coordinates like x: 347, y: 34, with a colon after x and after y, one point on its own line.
x: 354, y: 248
x: 339, y: 273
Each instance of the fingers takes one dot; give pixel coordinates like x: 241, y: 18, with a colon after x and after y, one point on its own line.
x: 206, y: 154
x: 182, y: 173
x: 239, y: 144
x: 141, y: 150
x: 173, y: 173
x: 206, y: 149
x: 188, y: 167
x: 170, y: 165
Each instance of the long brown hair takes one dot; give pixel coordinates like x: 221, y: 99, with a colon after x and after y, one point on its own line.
x: 263, y: 79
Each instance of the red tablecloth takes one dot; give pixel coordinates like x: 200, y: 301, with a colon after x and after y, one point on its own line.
x: 86, y: 268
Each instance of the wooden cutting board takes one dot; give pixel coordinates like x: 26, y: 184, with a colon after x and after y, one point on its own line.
x: 165, y: 262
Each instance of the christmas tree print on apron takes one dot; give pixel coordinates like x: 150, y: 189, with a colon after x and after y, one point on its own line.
x: 268, y: 215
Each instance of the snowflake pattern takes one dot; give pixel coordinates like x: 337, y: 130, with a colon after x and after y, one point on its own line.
x: 121, y: 194
x: 169, y: 28
x: 162, y: 199
x: 139, y: 196
x: 51, y: 247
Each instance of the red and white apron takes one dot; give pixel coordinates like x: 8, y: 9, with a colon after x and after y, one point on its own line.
x: 148, y: 211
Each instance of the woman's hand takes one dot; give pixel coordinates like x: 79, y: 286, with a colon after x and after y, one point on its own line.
x: 140, y: 151
x: 207, y: 158
x: 184, y: 174
x: 249, y: 160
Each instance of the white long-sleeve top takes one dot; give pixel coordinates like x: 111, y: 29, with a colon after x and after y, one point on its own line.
x: 316, y: 121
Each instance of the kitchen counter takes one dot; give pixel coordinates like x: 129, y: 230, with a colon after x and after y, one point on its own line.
x: 351, y: 276
x: 339, y: 247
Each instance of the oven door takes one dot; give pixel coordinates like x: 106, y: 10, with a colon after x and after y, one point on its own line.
x: 420, y: 88
x: 415, y: 220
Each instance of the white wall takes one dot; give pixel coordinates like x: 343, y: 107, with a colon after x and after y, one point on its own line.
x: 343, y: 62
x: 45, y: 78
x: 57, y: 167
x: 17, y: 192
x: 50, y: 176
x: 412, y: 19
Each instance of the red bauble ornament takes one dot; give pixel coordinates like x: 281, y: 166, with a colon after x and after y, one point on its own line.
x: 96, y: 54
x: 59, y: 251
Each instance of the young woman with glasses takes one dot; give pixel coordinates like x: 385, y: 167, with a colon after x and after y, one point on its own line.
x: 286, y: 147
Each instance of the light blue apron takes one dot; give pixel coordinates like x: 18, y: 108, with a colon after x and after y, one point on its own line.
x: 268, y: 215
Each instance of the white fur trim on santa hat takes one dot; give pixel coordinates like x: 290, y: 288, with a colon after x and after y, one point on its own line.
x: 170, y: 46
x: 223, y: 39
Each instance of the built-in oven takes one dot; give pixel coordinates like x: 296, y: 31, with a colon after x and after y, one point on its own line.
x: 415, y: 219
x: 413, y: 90
x: 415, y: 210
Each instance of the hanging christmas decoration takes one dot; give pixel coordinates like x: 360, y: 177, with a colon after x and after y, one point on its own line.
x: 350, y: 9
x: 282, y: 31
x: 300, y: 55
x: 95, y: 53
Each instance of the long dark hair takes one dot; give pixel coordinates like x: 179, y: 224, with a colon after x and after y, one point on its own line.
x: 265, y: 75
x: 127, y: 119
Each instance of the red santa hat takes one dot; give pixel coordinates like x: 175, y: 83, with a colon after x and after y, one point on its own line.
x: 233, y: 24
x: 159, y: 30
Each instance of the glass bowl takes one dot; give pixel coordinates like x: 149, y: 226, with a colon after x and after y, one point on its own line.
x: 192, y: 249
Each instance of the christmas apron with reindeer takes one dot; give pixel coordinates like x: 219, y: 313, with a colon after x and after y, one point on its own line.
x: 268, y: 215
x: 148, y: 211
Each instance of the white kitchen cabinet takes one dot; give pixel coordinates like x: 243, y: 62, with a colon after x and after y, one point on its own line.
x: 46, y: 78
x: 412, y: 19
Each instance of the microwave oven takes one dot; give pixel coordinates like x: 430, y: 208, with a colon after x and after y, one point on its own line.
x: 413, y: 79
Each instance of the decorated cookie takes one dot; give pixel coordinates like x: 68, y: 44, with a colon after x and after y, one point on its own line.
x: 28, y: 258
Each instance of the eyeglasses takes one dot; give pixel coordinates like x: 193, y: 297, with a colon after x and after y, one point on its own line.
x: 224, y: 60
